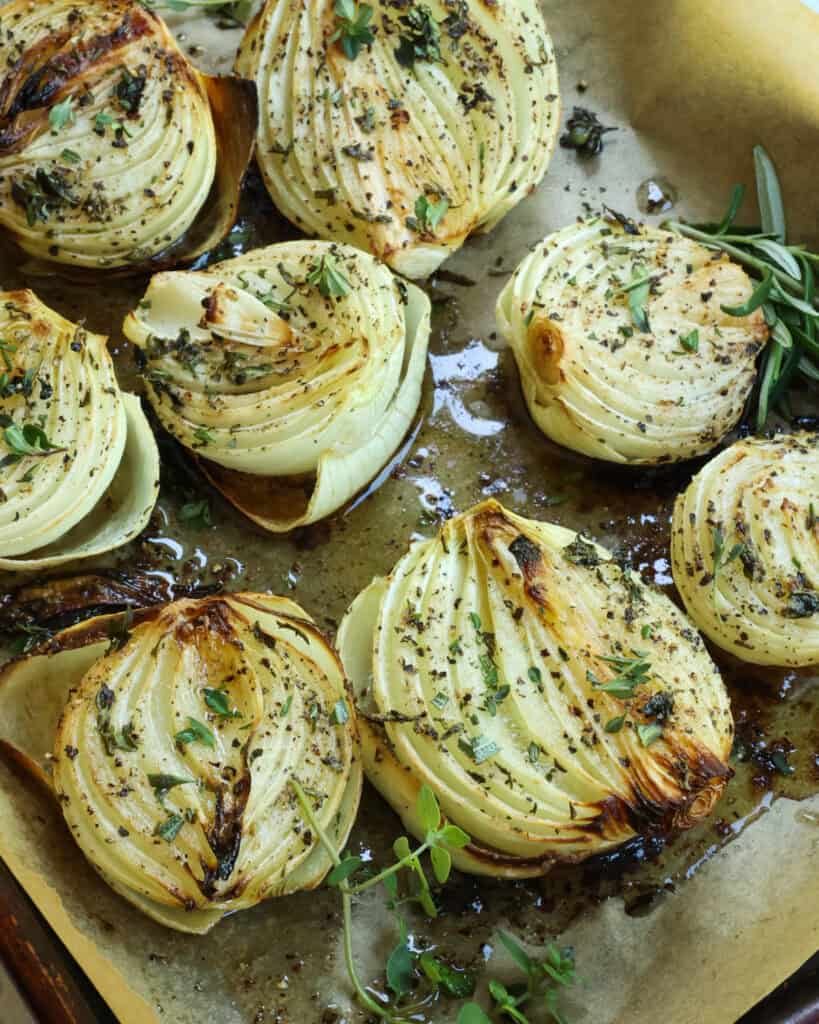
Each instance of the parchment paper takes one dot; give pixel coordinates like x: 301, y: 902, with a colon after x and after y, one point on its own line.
x: 691, y: 85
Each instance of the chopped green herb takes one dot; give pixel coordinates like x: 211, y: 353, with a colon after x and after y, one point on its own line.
x: 340, y: 714
x: 217, y: 701
x: 615, y: 724
x: 428, y: 215
x: 582, y: 552
x: 28, y: 440
x: 479, y: 748
x: 170, y: 828
x: 419, y: 37
x: 62, y: 114
x: 440, y: 700
x: 649, y: 733
x: 353, y: 31
x: 722, y: 559
x: 691, y: 342
x: 162, y: 783
x: 329, y: 280
x: 195, y: 731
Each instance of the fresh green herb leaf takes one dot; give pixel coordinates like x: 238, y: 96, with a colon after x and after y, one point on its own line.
x: 441, y: 863
x: 353, y: 31
x: 163, y: 783
x: 170, y: 828
x: 471, y: 1013
x: 639, y: 289
x: 329, y: 280
x: 758, y: 296
x: 428, y: 215
x: 400, y: 963
x: 722, y: 559
x: 203, y: 436
x: 769, y: 194
x: 340, y: 713
x: 419, y: 37
x: 737, y: 199
x: 427, y: 809
x: 62, y: 113
x: 344, y: 870
x: 479, y: 748
x: 455, y: 837
x: 649, y: 733
x: 517, y: 952
x: 28, y: 440
x: 440, y: 700
x: 691, y: 342
x: 615, y: 724
x: 196, y: 514
x: 195, y: 732
x: 458, y: 984
x: 217, y: 701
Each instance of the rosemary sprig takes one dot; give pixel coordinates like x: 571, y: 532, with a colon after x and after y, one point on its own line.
x: 786, y: 288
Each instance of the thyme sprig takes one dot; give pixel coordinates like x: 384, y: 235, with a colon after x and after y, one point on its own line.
x: 405, y: 964
x: 785, y: 289
x: 544, y: 981
x: 440, y: 839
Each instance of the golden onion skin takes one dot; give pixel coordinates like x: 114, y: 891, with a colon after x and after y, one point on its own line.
x: 95, y: 488
x: 474, y: 664
x: 232, y: 834
x: 347, y: 147
x: 262, y: 376
x: 745, y: 550
x: 120, y: 175
x: 595, y: 381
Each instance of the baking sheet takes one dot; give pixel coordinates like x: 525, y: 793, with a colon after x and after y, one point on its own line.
x: 702, y: 927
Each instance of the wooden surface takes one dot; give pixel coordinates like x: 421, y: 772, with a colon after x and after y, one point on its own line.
x: 56, y: 990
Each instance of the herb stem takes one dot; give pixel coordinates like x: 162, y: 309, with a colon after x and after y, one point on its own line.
x: 715, y: 242
x: 347, y: 909
x: 393, y: 869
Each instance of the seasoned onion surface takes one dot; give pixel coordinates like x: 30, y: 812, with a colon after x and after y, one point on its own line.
x: 302, y: 362
x: 79, y: 469
x: 624, y: 351
x: 745, y: 550
x: 433, y: 131
x: 555, y: 703
x: 173, y: 755
x: 107, y: 143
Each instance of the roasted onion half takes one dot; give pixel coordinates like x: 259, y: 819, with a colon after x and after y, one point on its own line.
x: 554, y: 702
x: 428, y: 124
x: 79, y: 467
x: 108, y: 136
x: 745, y: 550
x: 293, y: 372
x: 624, y: 350
x: 175, y: 744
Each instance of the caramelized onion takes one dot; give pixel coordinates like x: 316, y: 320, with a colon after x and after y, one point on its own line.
x: 745, y: 550
x: 174, y: 751
x: 629, y: 375
x: 555, y: 703
x: 433, y: 131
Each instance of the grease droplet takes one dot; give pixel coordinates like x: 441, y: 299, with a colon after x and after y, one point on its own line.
x: 656, y: 195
